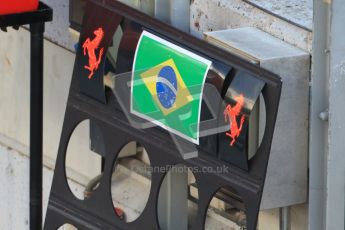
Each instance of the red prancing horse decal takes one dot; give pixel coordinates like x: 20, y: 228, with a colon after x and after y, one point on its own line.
x: 231, y: 113
x: 91, y: 46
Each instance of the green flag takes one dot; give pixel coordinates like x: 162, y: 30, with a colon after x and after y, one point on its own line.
x: 167, y: 84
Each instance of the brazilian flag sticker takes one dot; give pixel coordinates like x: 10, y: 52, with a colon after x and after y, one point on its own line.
x: 167, y: 85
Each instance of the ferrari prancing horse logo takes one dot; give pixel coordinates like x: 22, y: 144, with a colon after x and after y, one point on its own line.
x: 231, y: 114
x: 91, y: 46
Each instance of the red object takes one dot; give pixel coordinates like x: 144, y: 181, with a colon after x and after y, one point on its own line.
x: 90, y: 47
x: 231, y: 114
x: 17, y: 6
x: 120, y: 213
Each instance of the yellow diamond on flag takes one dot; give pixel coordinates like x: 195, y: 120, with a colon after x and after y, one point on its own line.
x: 179, y: 94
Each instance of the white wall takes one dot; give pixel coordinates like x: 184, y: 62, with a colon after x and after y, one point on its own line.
x: 14, y: 122
x: 14, y: 171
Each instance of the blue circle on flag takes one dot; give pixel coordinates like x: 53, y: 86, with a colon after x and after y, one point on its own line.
x: 166, y: 87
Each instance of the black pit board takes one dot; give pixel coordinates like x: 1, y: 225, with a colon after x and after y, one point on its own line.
x: 88, y: 99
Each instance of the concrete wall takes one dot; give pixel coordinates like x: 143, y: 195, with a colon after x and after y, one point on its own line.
x: 14, y: 56
x: 14, y: 171
x: 209, y: 15
x: 14, y: 122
